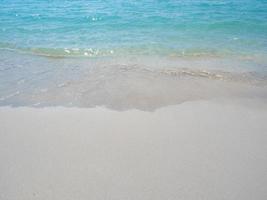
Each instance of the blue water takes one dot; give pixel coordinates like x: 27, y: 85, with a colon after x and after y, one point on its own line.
x: 118, y: 27
x: 131, y: 54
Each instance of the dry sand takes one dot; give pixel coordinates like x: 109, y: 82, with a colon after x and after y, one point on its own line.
x: 196, y: 150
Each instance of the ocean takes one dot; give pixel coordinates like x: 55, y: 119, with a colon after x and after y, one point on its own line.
x: 105, y: 52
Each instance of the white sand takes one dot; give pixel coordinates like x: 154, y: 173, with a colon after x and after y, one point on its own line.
x: 195, y: 150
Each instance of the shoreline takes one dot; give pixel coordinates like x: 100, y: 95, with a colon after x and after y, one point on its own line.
x: 143, y: 83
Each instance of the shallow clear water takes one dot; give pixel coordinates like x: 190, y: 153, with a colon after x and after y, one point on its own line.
x: 58, y: 48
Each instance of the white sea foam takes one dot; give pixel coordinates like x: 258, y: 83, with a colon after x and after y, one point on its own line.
x: 9, y: 96
x: 67, y: 51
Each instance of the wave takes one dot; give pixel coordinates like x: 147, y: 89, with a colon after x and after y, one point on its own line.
x: 141, y: 50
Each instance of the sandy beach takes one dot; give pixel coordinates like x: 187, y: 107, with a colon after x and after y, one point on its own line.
x: 194, y: 150
x: 133, y: 100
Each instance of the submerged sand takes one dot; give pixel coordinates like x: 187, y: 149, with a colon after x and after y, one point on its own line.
x: 195, y: 150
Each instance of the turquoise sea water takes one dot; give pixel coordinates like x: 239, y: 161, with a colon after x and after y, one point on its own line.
x: 108, y: 27
x: 50, y: 44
